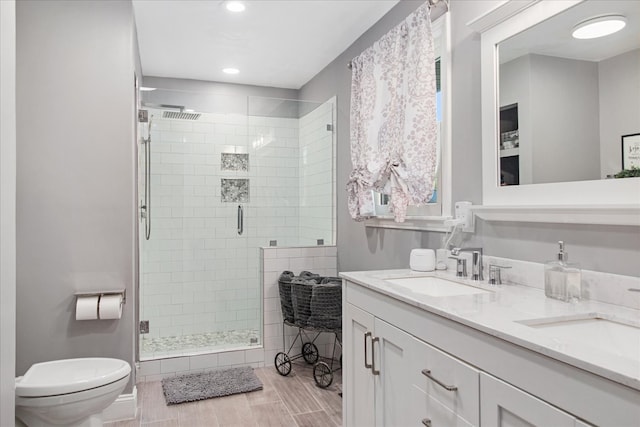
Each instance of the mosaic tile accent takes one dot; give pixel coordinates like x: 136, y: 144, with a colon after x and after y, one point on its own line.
x: 234, y: 162
x: 198, y: 342
x: 235, y: 190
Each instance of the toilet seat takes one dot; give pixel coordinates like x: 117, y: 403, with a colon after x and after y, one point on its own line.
x: 70, y: 376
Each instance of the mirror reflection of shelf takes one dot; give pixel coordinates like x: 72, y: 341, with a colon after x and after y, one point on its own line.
x: 508, y: 152
x: 509, y: 145
x: 509, y: 133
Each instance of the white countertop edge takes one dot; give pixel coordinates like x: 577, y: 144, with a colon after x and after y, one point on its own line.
x: 610, y: 366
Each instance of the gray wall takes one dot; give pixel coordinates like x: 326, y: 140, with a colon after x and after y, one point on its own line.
x: 566, y: 130
x: 210, y: 97
x: 76, y: 176
x: 603, y: 248
x: 7, y: 211
x: 580, y: 91
x: 558, y: 103
x: 619, y: 106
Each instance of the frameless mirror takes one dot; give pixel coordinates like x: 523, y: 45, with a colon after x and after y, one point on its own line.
x: 556, y: 139
x: 567, y: 105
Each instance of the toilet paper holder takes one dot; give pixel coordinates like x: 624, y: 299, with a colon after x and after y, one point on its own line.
x: 100, y: 294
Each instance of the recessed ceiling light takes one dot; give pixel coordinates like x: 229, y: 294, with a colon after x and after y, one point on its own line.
x: 235, y: 6
x: 230, y: 70
x: 599, y: 27
x: 147, y: 89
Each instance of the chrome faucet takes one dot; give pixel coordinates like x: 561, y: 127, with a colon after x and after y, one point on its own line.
x: 476, y: 266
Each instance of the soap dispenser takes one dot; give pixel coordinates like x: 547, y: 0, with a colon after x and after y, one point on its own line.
x: 562, y: 280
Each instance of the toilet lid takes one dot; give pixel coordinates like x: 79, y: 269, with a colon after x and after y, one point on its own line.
x: 70, y: 376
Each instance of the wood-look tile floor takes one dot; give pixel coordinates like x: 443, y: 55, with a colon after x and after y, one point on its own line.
x: 294, y: 401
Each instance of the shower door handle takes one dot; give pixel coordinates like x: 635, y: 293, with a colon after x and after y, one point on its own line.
x: 240, y: 220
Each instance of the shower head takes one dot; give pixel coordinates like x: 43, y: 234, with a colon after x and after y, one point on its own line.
x: 180, y: 115
x: 175, y: 111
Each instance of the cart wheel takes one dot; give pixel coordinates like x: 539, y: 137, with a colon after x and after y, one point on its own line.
x: 310, y: 353
x: 322, y: 375
x: 283, y: 364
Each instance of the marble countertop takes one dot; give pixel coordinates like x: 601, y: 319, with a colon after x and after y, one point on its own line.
x: 499, y: 312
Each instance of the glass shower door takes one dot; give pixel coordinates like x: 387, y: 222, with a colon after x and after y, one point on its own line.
x: 197, y: 290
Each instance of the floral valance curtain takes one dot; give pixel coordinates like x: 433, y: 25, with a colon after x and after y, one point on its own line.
x: 393, y: 119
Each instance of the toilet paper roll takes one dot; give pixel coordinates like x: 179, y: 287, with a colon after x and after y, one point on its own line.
x: 87, y: 307
x: 110, y: 306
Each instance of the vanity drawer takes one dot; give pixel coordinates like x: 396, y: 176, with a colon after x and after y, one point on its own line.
x: 426, y: 411
x: 449, y: 381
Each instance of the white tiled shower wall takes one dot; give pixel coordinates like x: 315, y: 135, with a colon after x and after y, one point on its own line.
x: 198, y: 274
x: 319, y: 259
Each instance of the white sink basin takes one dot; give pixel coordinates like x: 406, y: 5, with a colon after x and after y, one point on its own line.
x: 435, y: 286
x: 612, y: 335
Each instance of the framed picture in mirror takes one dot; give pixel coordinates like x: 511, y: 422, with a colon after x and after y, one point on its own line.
x: 631, y: 151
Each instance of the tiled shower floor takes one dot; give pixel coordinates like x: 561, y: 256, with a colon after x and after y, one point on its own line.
x: 151, y: 348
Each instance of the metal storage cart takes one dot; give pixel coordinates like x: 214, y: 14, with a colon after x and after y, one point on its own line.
x: 313, y: 304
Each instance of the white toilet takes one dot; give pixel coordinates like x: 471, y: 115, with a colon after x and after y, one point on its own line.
x: 70, y: 392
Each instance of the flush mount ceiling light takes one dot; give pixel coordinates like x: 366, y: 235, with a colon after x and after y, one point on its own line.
x: 235, y: 6
x: 599, y: 27
x: 230, y: 70
x: 147, y: 89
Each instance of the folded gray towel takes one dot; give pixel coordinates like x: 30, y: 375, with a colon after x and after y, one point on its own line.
x: 331, y: 280
x: 303, y: 281
x: 286, y: 276
x: 308, y: 274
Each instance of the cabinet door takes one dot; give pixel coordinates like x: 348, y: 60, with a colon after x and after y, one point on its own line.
x: 506, y: 406
x: 397, y: 364
x: 358, y: 382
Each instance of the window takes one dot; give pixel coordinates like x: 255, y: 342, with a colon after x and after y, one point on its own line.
x: 440, y: 204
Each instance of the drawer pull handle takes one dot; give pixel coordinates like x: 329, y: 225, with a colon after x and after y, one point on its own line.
x: 427, y: 373
x: 374, y: 371
x: 426, y: 422
x: 366, y: 365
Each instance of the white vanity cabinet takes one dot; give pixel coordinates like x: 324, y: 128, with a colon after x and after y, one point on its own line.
x: 406, y: 366
x: 394, y: 379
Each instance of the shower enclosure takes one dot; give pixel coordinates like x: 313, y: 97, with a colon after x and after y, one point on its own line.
x: 224, y: 176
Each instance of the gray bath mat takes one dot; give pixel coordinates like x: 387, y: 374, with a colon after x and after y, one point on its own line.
x: 205, y: 385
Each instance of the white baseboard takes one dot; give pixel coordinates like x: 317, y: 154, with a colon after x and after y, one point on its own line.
x: 124, y: 408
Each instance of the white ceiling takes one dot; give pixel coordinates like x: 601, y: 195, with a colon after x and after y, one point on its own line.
x: 553, y: 36
x: 273, y: 43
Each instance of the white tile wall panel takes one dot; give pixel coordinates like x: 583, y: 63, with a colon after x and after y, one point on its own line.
x: 203, y: 361
x: 177, y: 364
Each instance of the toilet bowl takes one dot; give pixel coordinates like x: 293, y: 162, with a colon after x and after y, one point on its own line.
x: 70, y: 392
